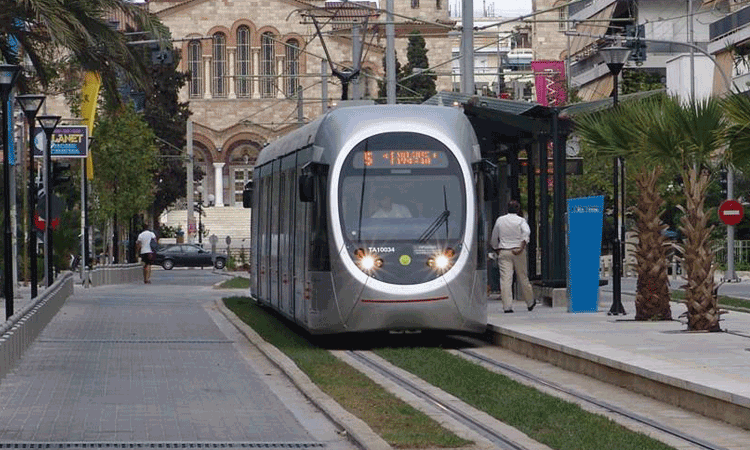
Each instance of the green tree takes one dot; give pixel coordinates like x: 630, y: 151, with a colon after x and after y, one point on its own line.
x: 382, y: 85
x: 167, y: 116
x: 636, y: 80
x: 422, y: 84
x: 80, y: 28
x: 124, y: 163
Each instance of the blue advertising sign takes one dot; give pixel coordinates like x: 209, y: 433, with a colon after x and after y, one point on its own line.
x: 68, y: 141
x: 585, y: 219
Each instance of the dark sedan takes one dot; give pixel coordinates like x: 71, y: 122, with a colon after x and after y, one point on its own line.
x: 189, y: 255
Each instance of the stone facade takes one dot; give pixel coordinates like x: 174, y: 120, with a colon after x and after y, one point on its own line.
x: 549, y: 40
x: 243, y: 95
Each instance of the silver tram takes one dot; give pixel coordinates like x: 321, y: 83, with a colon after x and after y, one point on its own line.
x: 371, y: 218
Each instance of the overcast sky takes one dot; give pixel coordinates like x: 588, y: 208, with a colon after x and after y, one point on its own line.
x: 507, y: 8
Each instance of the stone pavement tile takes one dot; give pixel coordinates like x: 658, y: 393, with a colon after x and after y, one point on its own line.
x: 117, y: 365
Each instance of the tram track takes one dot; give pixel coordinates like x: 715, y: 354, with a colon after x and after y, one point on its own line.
x: 501, y: 440
x: 581, y: 397
x: 495, y: 437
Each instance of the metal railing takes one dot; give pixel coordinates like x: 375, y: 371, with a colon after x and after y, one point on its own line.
x: 741, y: 254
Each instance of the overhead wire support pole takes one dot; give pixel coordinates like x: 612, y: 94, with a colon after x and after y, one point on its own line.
x: 467, y: 48
x: 390, y: 54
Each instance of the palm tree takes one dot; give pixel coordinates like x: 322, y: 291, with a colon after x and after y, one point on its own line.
x: 702, y: 126
x: 41, y: 28
x: 622, y: 132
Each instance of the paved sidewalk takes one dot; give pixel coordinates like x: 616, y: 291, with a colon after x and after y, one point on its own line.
x: 152, y: 364
x: 716, y: 365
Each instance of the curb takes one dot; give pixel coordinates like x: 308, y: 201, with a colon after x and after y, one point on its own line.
x: 357, y: 430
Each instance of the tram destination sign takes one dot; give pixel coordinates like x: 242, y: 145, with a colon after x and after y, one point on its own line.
x: 387, y: 159
x: 68, y: 141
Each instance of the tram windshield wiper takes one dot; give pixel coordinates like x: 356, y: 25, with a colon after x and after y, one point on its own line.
x: 362, y: 195
x: 443, y: 217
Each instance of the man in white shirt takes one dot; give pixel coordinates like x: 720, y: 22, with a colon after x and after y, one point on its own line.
x: 389, y: 210
x: 143, y: 245
x: 509, y: 238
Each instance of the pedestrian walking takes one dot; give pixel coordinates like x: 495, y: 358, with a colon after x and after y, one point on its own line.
x: 146, y: 250
x: 509, y: 238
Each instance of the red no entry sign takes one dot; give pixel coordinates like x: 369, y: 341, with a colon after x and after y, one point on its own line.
x: 731, y: 212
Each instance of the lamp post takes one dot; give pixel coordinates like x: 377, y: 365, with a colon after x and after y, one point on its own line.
x: 30, y: 105
x: 48, y: 123
x: 199, y: 209
x: 615, y: 58
x: 8, y: 76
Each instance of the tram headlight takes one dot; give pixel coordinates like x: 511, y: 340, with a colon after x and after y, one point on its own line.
x: 367, y: 261
x: 442, y: 261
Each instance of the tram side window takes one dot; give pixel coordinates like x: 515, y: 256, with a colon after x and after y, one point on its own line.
x: 319, y: 256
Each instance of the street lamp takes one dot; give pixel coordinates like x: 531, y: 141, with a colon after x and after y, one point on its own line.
x: 8, y: 76
x: 48, y: 123
x: 199, y: 209
x: 30, y: 105
x: 615, y: 58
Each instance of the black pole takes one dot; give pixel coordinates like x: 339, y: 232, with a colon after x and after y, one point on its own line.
x: 115, y: 241
x: 48, y: 208
x: 85, y: 210
x: 544, y: 208
x: 617, y: 307
x: 34, y: 273
x: 7, y: 238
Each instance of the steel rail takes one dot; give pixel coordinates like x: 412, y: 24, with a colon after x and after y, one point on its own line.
x: 591, y: 400
x: 495, y: 437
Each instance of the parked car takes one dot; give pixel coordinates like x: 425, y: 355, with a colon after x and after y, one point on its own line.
x: 189, y: 255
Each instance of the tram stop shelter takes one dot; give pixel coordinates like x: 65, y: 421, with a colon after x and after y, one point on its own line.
x: 528, y: 139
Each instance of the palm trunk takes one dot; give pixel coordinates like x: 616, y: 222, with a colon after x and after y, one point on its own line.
x: 703, y: 312
x: 652, y: 292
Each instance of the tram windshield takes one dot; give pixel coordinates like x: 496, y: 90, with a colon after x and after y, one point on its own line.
x: 401, y: 187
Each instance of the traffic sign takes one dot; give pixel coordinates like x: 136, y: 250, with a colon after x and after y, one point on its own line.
x: 731, y: 212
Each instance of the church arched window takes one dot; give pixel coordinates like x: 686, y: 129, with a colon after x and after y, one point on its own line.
x: 267, y: 66
x: 195, y: 67
x: 243, y: 70
x: 219, y: 88
x: 291, y: 81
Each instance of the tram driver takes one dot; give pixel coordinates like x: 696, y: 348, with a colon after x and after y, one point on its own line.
x: 386, y: 209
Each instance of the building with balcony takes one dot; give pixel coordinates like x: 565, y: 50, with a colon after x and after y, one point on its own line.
x: 667, y: 22
x: 729, y: 43
x: 502, y: 57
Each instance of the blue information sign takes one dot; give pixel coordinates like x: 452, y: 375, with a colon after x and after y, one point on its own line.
x: 585, y: 219
x: 68, y: 141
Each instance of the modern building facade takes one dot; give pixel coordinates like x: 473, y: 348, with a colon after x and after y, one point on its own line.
x: 667, y: 25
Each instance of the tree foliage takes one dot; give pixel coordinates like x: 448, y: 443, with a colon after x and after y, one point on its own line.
x: 167, y: 116
x: 43, y: 28
x: 383, y: 86
x: 124, y: 163
x: 422, y: 85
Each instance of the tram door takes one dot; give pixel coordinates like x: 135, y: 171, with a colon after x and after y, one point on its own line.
x: 301, y: 249
x: 264, y: 233
x: 286, y: 237
x: 274, y: 251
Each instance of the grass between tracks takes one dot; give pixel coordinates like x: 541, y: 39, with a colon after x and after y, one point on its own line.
x: 547, y: 419
x: 731, y: 302
x: 559, y: 424
x: 392, y: 419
